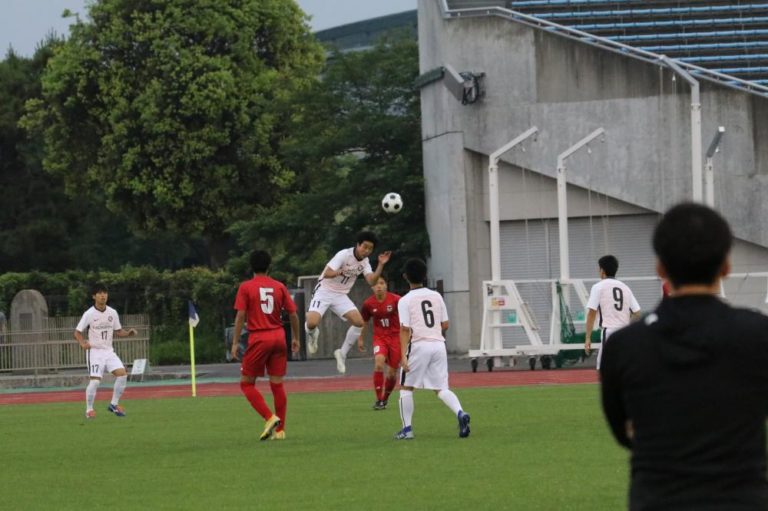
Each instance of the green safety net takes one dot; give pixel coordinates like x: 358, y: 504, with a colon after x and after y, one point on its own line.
x: 568, y: 334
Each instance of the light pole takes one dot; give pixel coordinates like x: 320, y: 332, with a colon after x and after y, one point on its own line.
x: 709, y: 173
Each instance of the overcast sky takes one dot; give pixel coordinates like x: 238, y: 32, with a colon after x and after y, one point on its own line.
x: 24, y: 23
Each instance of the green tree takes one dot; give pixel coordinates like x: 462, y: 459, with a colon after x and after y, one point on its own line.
x: 41, y: 228
x: 172, y: 111
x: 356, y: 136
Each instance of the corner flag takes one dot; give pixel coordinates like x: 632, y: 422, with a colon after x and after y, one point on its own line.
x: 194, y: 319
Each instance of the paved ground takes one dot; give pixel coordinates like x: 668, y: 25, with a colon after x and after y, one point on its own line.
x: 303, y: 376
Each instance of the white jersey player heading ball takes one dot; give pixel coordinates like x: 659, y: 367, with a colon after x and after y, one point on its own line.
x: 338, y: 277
x: 612, y: 301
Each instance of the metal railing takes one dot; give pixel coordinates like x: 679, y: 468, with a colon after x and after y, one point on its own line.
x: 54, y: 348
x: 603, y: 43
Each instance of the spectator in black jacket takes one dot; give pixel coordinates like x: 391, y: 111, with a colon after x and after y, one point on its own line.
x: 686, y: 388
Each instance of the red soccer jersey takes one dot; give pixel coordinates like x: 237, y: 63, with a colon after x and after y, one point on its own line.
x: 384, y: 314
x: 263, y: 298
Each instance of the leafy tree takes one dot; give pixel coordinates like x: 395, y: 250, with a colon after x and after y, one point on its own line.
x: 171, y: 111
x: 41, y: 228
x: 356, y: 136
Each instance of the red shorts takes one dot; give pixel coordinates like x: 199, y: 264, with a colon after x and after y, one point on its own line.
x: 390, y: 348
x: 266, y: 350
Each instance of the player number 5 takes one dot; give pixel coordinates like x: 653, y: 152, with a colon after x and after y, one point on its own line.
x: 267, y: 300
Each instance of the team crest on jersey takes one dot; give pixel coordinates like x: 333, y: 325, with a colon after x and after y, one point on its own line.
x: 109, y: 318
x: 389, y: 308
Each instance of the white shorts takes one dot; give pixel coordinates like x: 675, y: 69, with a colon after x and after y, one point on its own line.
x: 99, y: 360
x: 427, y: 366
x: 604, y: 335
x: 339, y: 303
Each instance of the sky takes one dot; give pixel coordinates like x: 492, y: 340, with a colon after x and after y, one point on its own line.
x: 24, y: 23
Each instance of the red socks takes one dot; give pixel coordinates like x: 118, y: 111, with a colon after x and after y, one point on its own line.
x: 378, y: 385
x: 281, y: 402
x: 256, y: 399
x: 391, y: 382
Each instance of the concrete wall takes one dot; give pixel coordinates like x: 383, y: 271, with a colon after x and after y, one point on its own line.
x: 567, y: 89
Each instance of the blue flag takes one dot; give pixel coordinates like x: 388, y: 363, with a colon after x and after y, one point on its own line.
x: 194, y: 319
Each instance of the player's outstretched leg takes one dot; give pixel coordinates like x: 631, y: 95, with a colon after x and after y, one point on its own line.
x: 406, y: 415
x: 452, y: 401
x: 312, y: 336
x: 341, y: 354
x: 90, y: 398
x: 117, y: 392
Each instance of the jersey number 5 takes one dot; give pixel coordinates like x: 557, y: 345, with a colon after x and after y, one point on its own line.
x: 267, y: 299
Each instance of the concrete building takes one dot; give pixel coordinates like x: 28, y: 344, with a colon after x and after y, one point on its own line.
x: 616, y: 192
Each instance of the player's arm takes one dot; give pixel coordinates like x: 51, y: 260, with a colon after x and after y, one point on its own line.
x: 293, y: 318
x: 591, y: 315
x: 330, y: 273
x: 81, y: 340
x: 126, y: 333
x: 371, y: 278
x: 634, y: 309
x: 405, y: 338
x: 80, y: 330
x: 239, y: 322
x: 444, y: 326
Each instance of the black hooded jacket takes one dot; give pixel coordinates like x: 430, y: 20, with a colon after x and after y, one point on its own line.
x: 692, y: 377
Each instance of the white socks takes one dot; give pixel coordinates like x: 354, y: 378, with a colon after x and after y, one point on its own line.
x: 90, y: 394
x: 120, y: 383
x: 406, y: 407
x: 450, y: 399
x: 352, y: 334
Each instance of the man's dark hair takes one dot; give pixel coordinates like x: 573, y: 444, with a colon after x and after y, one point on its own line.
x: 609, y: 264
x: 98, y: 287
x: 415, y: 271
x: 367, y: 236
x: 692, y: 242
x: 260, y: 261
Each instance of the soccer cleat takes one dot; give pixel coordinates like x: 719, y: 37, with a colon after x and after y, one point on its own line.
x: 463, y: 425
x: 269, y: 427
x: 404, y: 434
x: 90, y: 414
x: 116, y: 409
x: 312, y: 340
x: 340, y: 358
x: 380, y: 405
x: 279, y: 435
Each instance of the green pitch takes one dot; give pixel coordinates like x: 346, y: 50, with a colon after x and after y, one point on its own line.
x: 531, y: 448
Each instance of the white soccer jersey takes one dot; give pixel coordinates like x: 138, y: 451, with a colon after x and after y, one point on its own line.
x: 346, y: 260
x: 423, y: 310
x: 101, y: 326
x: 614, y: 302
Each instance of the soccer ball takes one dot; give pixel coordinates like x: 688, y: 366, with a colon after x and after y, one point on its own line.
x: 392, y: 203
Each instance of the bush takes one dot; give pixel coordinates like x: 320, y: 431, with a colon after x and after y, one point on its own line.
x: 163, y: 295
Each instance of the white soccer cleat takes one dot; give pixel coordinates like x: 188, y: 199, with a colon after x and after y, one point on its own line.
x: 312, y: 340
x: 340, y: 359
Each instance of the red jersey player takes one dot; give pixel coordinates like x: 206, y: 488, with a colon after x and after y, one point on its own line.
x: 261, y: 300
x: 382, y: 307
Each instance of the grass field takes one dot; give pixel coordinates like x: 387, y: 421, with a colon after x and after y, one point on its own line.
x: 531, y: 448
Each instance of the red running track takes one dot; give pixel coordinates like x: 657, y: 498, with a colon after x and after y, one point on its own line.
x: 336, y: 384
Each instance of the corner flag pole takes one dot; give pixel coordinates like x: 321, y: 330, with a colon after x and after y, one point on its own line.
x: 194, y: 319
